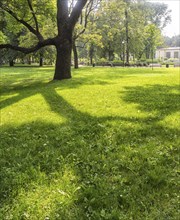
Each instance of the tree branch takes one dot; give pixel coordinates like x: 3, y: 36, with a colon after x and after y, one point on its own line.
x: 28, y: 26
x: 91, y: 5
x: 33, y: 14
x: 75, y: 14
x: 47, y: 42
x: 83, y: 44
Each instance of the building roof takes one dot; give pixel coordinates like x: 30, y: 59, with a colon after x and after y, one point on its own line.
x: 169, y: 48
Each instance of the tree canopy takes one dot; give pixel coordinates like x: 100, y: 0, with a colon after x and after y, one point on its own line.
x: 31, y: 14
x: 116, y: 28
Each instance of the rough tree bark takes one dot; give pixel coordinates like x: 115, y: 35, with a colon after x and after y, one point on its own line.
x: 63, y: 59
x: 64, y: 40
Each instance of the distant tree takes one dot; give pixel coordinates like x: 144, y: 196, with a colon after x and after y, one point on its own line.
x: 172, y: 41
x: 158, y: 13
x: 110, y: 23
x: 123, y: 23
x: 82, y: 25
x: 149, y: 19
x: 153, y: 39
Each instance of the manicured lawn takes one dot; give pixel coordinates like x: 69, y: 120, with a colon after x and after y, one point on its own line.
x: 103, y: 145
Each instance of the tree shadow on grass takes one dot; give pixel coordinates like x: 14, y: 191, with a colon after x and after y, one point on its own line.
x: 116, y: 166
x: 162, y: 99
x: 30, y: 79
x: 29, y: 87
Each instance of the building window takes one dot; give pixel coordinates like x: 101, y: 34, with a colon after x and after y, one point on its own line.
x: 168, y: 54
x: 176, y: 54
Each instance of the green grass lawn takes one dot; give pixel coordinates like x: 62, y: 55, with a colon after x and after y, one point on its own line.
x: 103, y: 145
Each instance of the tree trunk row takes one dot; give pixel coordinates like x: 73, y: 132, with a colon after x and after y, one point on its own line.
x: 11, y: 62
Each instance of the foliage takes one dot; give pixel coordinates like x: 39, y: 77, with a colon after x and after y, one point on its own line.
x: 172, y: 41
x: 31, y: 15
x: 100, y: 31
x: 17, y: 34
x: 153, y: 38
x: 101, y: 146
x: 159, y: 14
x: 2, y: 38
x: 111, y: 24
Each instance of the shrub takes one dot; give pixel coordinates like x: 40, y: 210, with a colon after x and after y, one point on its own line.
x: 118, y: 63
x: 152, y: 61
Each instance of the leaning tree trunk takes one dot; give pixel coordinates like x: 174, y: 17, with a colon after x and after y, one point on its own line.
x: 76, y: 64
x: 63, y: 58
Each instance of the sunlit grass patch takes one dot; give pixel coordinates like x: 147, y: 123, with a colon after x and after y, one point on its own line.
x: 171, y: 121
x: 37, y: 107
x: 103, y: 145
x: 45, y: 198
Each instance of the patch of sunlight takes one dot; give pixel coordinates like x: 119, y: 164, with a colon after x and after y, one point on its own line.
x: 100, y: 102
x: 171, y: 121
x: 175, y: 91
x: 30, y: 109
x: 47, y: 200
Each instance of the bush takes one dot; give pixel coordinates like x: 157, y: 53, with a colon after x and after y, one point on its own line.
x: 118, y: 63
x: 152, y: 61
x: 141, y: 63
x: 99, y: 63
x: 170, y: 61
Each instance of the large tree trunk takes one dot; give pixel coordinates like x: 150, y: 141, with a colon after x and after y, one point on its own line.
x: 76, y: 64
x: 63, y: 59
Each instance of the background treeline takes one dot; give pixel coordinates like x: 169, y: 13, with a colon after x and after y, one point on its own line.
x: 172, y: 41
x: 119, y: 32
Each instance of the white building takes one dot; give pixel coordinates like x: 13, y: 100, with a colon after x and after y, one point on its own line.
x: 167, y: 53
